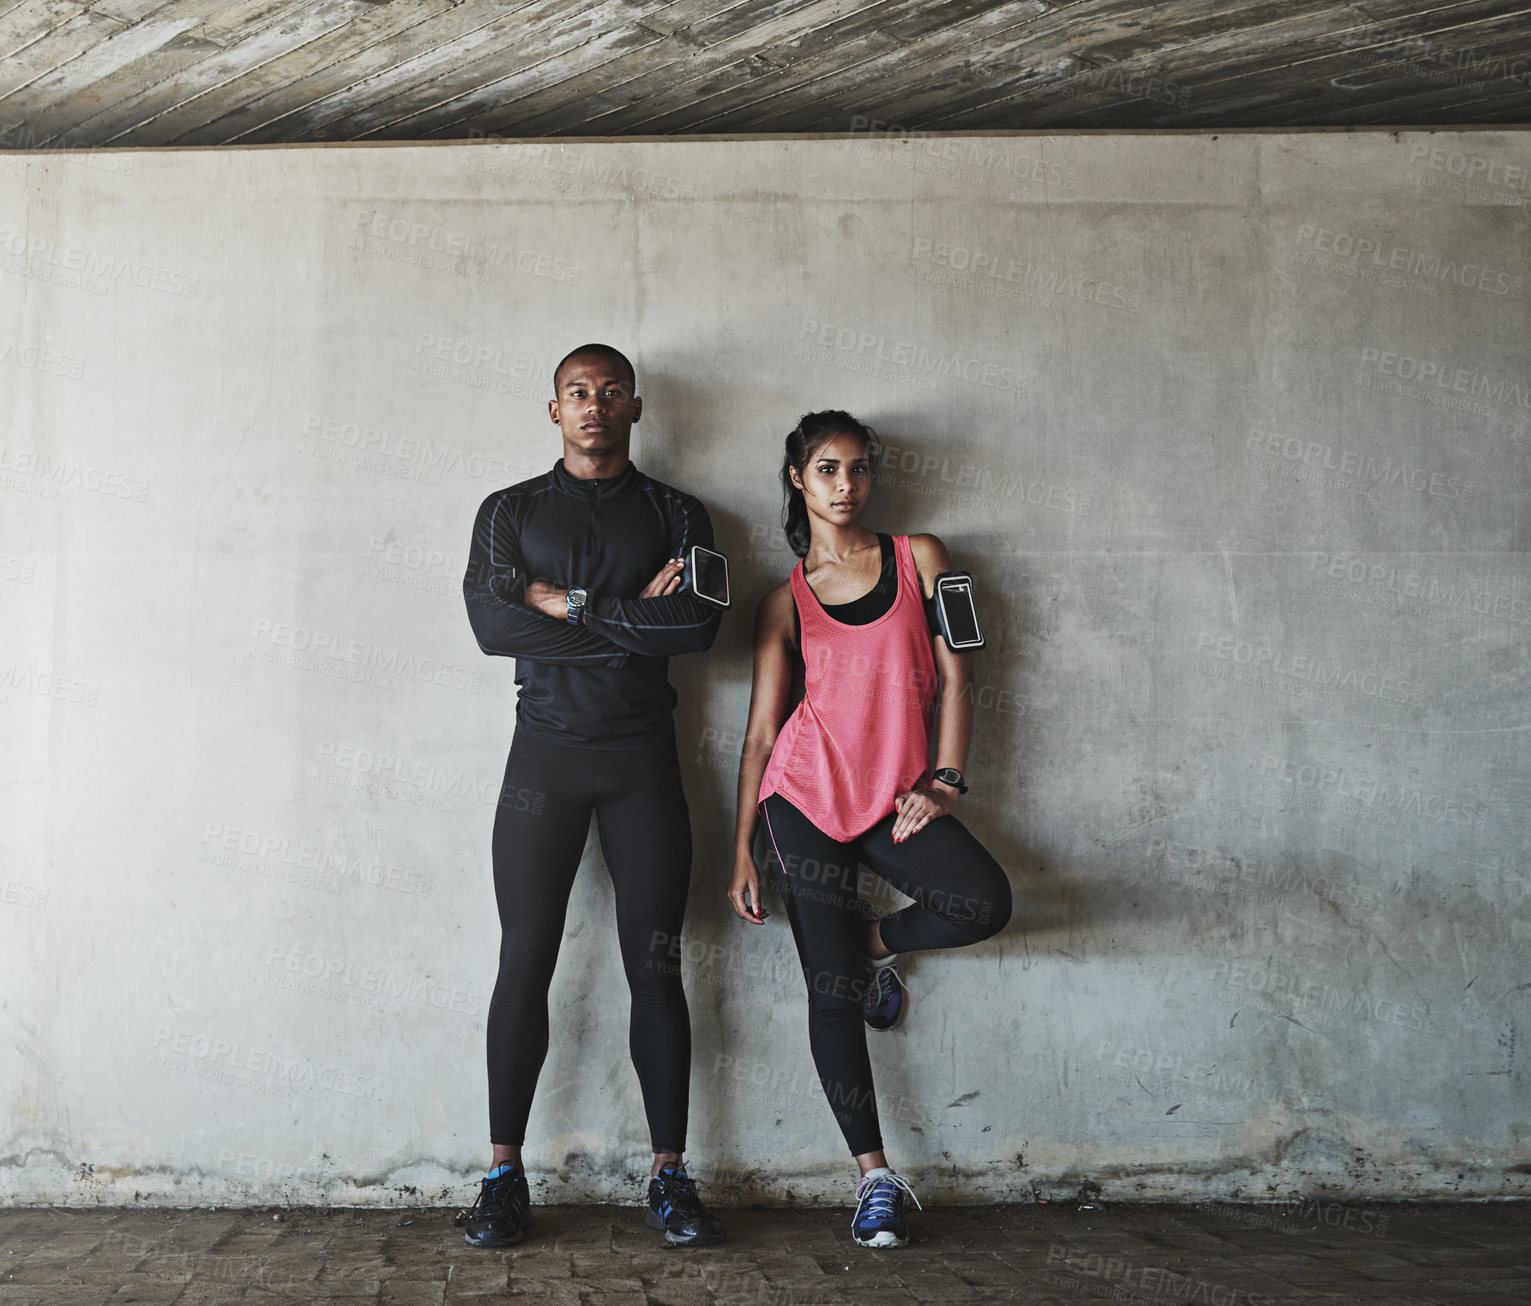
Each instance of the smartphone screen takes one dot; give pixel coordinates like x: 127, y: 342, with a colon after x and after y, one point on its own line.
x: 709, y: 575
x: 956, y: 597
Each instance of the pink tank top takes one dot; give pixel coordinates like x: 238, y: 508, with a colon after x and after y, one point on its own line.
x: 861, y: 735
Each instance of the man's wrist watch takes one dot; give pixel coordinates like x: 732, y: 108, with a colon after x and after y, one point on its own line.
x: 576, y: 598
x: 950, y: 775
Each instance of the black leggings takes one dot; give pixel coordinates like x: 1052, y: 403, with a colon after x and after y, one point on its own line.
x: 960, y: 894
x: 539, y: 833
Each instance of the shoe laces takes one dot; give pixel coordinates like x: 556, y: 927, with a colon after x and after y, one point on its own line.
x: 877, y: 1199
x: 494, y: 1192
x: 882, y: 989
x: 679, y: 1190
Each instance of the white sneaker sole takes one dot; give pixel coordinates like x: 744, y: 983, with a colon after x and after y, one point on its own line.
x: 883, y: 1238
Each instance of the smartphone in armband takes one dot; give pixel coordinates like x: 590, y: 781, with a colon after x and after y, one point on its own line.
x: 956, y: 613
x: 707, y: 575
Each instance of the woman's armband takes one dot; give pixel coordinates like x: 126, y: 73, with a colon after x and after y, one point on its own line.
x: 956, y: 616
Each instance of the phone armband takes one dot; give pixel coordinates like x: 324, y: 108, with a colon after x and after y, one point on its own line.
x: 956, y: 614
x: 706, y: 575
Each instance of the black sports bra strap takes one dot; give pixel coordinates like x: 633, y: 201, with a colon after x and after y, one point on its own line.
x: 877, y: 601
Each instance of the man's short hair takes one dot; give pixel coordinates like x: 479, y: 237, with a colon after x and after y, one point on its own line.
x: 605, y: 351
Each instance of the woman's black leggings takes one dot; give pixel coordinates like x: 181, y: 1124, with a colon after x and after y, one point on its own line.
x: 539, y: 834
x: 960, y: 894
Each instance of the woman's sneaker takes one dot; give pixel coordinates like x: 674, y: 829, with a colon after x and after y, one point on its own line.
x: 500, y: 1214
x: 675, y: 1207
x: 882, y: 1000
x: 879, y: 1219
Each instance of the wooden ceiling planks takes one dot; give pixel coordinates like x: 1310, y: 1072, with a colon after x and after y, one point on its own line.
x: 897, y: 92
x: 1282, y: 61
x: 815, y: 78
x: 560, y: 46
x: 1362, y: 72
x: 81, y: 113
x: 196, y: 72
x: 130, y: 119
x: 380, y: 68
x: 758, y: 60
x: 302, y: 76
x: 39, y: 53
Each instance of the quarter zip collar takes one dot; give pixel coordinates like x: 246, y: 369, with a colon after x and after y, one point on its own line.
x: 598, y: 489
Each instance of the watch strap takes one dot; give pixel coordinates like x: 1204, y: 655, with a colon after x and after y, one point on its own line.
x: 959, y: 783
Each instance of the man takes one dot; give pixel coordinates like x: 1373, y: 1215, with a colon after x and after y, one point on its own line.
x: 577, y: 574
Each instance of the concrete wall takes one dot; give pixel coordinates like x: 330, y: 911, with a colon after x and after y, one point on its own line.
x: 1232, y: 429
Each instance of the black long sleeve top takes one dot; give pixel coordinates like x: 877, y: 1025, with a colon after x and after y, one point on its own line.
x: 603, y: 684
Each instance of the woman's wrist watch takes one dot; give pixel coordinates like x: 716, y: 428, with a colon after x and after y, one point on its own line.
x: 575, y: 599
x: 950, y: 775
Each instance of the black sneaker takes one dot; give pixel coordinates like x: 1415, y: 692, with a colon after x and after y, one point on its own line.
x: 501, y: 1212
x: 882, y: 1001
x: 675, y: 1207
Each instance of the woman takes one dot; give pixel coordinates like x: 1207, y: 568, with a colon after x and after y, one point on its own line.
x: 845, y: 778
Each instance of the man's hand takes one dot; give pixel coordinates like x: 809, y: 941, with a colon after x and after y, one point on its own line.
x: 917, y: 808
x: 553, y: 601
x: 547, y: 599
x: 666, y: 582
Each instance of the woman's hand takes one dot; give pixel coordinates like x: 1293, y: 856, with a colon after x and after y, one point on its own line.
x: 917, y: 808
x: 746, y: 880
x: 666, y: 582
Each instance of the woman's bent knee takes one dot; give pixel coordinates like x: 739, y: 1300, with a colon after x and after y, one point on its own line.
x: 991, y: 912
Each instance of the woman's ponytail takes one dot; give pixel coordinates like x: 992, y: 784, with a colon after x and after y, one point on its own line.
x: 813, y: 431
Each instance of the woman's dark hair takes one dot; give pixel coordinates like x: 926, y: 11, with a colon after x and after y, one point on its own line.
x: 813, y: 432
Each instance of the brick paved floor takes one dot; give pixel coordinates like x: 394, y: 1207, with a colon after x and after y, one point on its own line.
x: 1216, y: 1254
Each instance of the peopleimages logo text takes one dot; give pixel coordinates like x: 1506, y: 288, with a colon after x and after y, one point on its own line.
x: 410, y: 449
x: 1412, y: 262
x: 911, y: 354
x: 319, y: 644
x: 39, y: 252
x: 996, y: 266
x: 1385, y: 795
